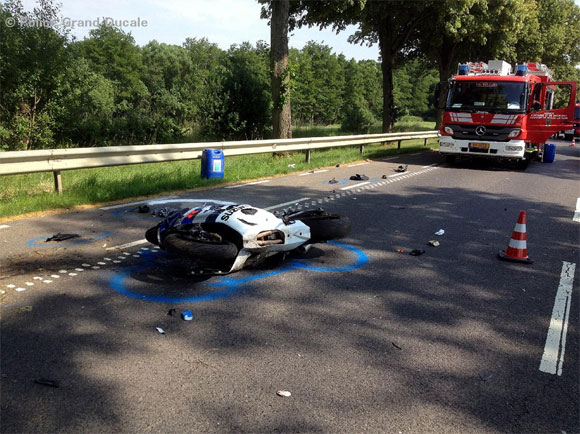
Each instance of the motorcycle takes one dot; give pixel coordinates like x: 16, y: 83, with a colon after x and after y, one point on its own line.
x: 226, y: 237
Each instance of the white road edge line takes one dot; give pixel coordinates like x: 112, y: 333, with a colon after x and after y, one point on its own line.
x: 576, y: 217
x: 124, y: 205
x: 358, y: 164
x: 280, y: 205
x: 355, y: 185
x: 248, y: 183
x: 4, y: 226
x: 313, y: 172
x: 553, y: 357
x: 126, y: 246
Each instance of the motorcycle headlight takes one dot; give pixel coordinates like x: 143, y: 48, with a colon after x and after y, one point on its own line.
x: 448, y: 130
x: 515, y: 133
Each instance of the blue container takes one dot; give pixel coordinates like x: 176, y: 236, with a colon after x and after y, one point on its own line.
x: 212, y: 163
x: 549, y: 153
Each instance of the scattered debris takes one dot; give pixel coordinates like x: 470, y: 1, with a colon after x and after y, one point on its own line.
x: 433, y: 243
x: 396, y: 346
x: 416, y: 252
x: 338, y: 165
x: 401, y: 250
x: 160, y: 330
x: 163, y: 212
x: 384, y: 177
x: 292, y: 165
x: 187, y: 315
x: 283, y: 393
x: 172, y: 311
x: 358, y: 177
x: 46, y: 382
x: 333, y: 181
x: 485, y: 376
x: 402, y: 168
x: 62, y: 237
x: 25, y: 309
x: 440, y: 232
x: 143, y: 209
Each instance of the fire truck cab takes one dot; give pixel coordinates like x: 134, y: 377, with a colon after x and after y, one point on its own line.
x: 494, y: 113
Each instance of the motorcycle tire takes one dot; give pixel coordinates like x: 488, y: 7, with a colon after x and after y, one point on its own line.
x: 206, y: 252
x: 151, y: 235
x: 326, y: 227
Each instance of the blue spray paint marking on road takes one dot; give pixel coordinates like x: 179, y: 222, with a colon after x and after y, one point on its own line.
x: 342, y: 181
x: 230, y: 285
x: 35, y: 242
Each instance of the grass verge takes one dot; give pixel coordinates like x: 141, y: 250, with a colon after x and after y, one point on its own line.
x: 22, y: 194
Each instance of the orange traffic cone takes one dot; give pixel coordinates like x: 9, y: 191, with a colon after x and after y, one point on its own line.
x: 516, y: 250
x: 573, y: 144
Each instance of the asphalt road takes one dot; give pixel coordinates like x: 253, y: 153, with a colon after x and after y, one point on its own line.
x: 366, y: 338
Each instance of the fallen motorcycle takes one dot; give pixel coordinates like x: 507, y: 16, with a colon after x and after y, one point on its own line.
x: 221, y: 239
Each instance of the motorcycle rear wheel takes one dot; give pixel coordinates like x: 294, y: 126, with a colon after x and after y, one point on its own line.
x: 325, y: 226
x: 201, y: 251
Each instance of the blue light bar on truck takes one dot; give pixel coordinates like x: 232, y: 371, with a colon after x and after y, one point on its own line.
x: 521, y: 70
x: 463, y: 69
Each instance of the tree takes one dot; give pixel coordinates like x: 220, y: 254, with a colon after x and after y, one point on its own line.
x: 388, y: 23
x: 33, y: 60
x: 281, y: 114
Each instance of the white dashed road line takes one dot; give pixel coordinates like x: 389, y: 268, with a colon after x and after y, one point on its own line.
x: 576, y: 217
x: 292, y: 202
x: 553, y: 357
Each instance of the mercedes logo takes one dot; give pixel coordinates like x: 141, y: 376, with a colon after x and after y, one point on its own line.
x: 480, y: 130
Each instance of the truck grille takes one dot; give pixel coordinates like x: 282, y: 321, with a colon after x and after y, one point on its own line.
x: 493, y: 133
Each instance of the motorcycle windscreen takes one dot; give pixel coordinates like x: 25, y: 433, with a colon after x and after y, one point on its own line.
x: 551, y: 110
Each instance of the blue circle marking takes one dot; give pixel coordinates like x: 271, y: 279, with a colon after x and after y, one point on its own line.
x: 229, y: 285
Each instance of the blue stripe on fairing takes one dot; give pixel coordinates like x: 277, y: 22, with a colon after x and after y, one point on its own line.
x: 230, y: 285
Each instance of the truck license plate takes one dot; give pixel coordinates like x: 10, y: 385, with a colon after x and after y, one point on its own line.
x: 480, y: 145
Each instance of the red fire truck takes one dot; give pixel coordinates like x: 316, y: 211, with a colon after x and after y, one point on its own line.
x: 494, y: 113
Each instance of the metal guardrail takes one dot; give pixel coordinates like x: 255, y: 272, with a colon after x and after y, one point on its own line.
x: 57, y: 160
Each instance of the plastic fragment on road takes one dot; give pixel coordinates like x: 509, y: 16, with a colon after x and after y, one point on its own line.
x: 144, y: 209
x: 283, y: 393
x: 416, y: 252
x: 46, y: 382
x: 401, y: 250
x: 440, y: 232
x: 434, y: 243
x: 333, y: 181
x: 160, y: 330
x: 485, y: 376
x: 187, y: 315
x: 396, y: 346
x: 172, y: 311
x: 61, y: 237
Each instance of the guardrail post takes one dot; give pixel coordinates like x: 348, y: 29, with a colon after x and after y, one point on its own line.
x: 399, y: 144
x: 308, y: 155
x: 57, y: 181
x: 362, y: 149
x: 425, y: 142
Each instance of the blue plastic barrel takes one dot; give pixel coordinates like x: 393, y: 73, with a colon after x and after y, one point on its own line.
x: 212, y: 163
x: 549, y: 153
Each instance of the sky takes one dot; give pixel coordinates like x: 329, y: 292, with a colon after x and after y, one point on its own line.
x: 224, y: 22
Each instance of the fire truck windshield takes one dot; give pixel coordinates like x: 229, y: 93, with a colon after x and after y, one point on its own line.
x: 488, y: 96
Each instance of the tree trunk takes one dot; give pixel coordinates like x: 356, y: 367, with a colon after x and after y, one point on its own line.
x: 281, y: 115
x: 445, y: 66
x: 385, y: 43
